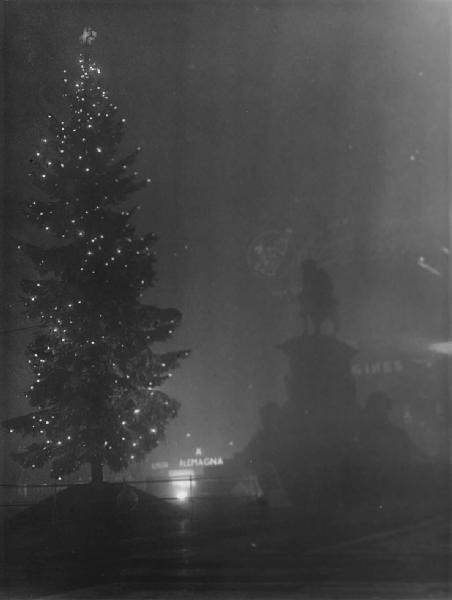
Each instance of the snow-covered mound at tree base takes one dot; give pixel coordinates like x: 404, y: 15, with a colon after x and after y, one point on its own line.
x: 88, y: 512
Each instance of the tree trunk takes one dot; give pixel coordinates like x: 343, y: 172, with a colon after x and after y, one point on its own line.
x: 97, y: 475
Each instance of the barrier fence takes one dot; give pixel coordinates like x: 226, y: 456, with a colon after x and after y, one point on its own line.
x: 183, y: 491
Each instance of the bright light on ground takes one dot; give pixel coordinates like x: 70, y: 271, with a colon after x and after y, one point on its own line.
x: 182, y: 483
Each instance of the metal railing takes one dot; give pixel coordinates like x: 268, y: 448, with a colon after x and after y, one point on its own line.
x: 182, y: 491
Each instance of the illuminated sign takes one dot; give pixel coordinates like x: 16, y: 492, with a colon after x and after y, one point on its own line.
x: 181, y: 473
x: 159, y: 465
x: 207, y: 461
x: 376, y: 368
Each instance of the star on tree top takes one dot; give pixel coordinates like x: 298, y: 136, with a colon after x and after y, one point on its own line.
x: 88, y: 36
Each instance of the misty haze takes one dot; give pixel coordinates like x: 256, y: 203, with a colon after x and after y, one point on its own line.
x: 225, y: 299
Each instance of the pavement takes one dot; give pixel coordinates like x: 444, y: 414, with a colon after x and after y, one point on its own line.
x: 273, y: 556
x: 281, y: 590
x: 411, y: 562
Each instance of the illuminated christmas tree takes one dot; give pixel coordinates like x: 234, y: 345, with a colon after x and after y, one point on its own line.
x: 95, y: 395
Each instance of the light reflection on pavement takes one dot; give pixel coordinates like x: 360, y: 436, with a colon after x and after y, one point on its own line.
x: 340, y: 591
x: 405, y: 563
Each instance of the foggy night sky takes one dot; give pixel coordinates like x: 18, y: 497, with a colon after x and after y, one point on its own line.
x: 258, y: 116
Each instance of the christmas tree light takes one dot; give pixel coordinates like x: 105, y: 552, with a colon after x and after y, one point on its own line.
x: 95, y: 395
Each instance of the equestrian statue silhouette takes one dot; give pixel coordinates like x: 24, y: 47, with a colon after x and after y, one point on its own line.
x: 318, y: 305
